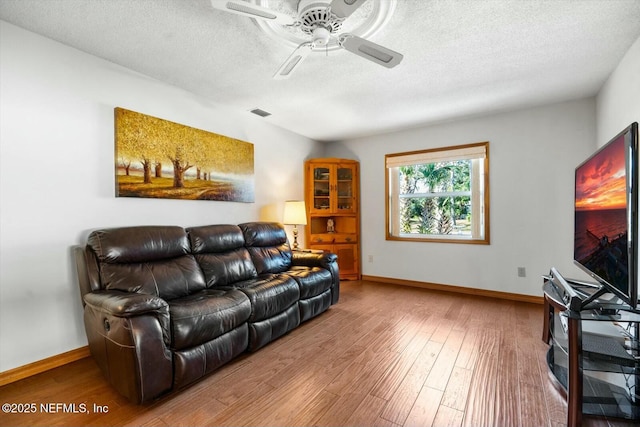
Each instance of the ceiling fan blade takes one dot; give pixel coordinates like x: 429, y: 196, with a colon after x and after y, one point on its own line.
x: 250, y: 10
x: 293, y: 61
x: 344, y: 8
x: 371, y: 51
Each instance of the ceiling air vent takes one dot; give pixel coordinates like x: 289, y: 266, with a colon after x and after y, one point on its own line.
x: 260, y: 112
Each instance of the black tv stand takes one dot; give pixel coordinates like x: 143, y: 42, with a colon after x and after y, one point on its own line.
x: 607, y: 311
x: 594, y: 351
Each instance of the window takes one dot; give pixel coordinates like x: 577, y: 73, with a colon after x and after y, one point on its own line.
x: 439, y: 195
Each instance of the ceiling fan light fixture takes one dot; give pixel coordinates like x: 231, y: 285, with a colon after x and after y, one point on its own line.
x: 362, y: 17
x: 321, y: 36
x: 320, y: 22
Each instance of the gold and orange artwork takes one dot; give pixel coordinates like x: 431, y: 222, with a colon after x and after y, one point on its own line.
x: 156, y: 158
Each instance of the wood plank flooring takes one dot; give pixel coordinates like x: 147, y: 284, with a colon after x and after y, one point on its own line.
x: 385, y: 355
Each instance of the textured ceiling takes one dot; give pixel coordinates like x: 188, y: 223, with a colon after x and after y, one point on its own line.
x: 461, y: 58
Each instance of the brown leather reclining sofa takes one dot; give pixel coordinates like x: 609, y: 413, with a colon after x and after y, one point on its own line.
x: 165, y: 305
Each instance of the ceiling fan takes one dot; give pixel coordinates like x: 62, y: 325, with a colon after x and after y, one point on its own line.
x: 320, y: 21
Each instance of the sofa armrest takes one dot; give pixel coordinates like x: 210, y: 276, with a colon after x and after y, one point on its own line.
x: 325, y: 260
x: 313, y: 259
x: 122, y: 304
x: 129, y: 338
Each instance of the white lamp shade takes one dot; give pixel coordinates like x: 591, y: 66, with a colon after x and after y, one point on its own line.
x: 295, y: 212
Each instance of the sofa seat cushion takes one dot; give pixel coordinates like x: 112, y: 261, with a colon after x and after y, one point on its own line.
x: 270, y: 294
x: 311, y: 280
x: 205, y: 315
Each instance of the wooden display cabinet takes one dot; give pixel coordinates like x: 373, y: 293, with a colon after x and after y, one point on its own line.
x: 333, y: 218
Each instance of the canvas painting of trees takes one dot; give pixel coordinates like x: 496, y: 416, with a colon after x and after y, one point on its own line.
x: 156, y: 158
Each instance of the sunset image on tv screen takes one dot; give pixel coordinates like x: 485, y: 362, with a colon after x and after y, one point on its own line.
x: 601, y: 215
x: 600, y: 182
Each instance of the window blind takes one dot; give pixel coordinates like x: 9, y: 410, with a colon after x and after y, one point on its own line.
x: 468, y: 152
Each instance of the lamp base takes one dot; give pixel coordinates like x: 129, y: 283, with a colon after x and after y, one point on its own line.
x: 295, y: 237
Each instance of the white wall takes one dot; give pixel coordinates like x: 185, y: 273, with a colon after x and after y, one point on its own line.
x: 533, y: 154
x: 618, y: 102
x: 57, y: 179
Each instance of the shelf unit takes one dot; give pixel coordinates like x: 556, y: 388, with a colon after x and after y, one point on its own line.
x: 594, y: 357
x: 333, y: 219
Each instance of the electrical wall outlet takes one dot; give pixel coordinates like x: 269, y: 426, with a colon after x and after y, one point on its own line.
x: 370, y: 258
x: 522, y: 272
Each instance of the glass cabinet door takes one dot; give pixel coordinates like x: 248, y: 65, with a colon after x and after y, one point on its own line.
x: 344, y: 188
x: 333, y: 189
x: 321, y: 190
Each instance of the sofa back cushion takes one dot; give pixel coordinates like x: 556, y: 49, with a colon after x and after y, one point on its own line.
x: 220, y: 251
x: 268, y: 246
x: 154, y: 260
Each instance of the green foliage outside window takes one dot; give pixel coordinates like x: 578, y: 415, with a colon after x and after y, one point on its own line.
x: 435, y: 198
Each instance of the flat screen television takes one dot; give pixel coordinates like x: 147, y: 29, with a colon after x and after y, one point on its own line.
x: 606, y: 218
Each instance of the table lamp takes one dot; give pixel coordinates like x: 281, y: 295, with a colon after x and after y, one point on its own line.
x: 295, y: 214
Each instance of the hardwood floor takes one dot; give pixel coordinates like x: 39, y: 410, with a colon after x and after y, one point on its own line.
x: 385, y: 355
